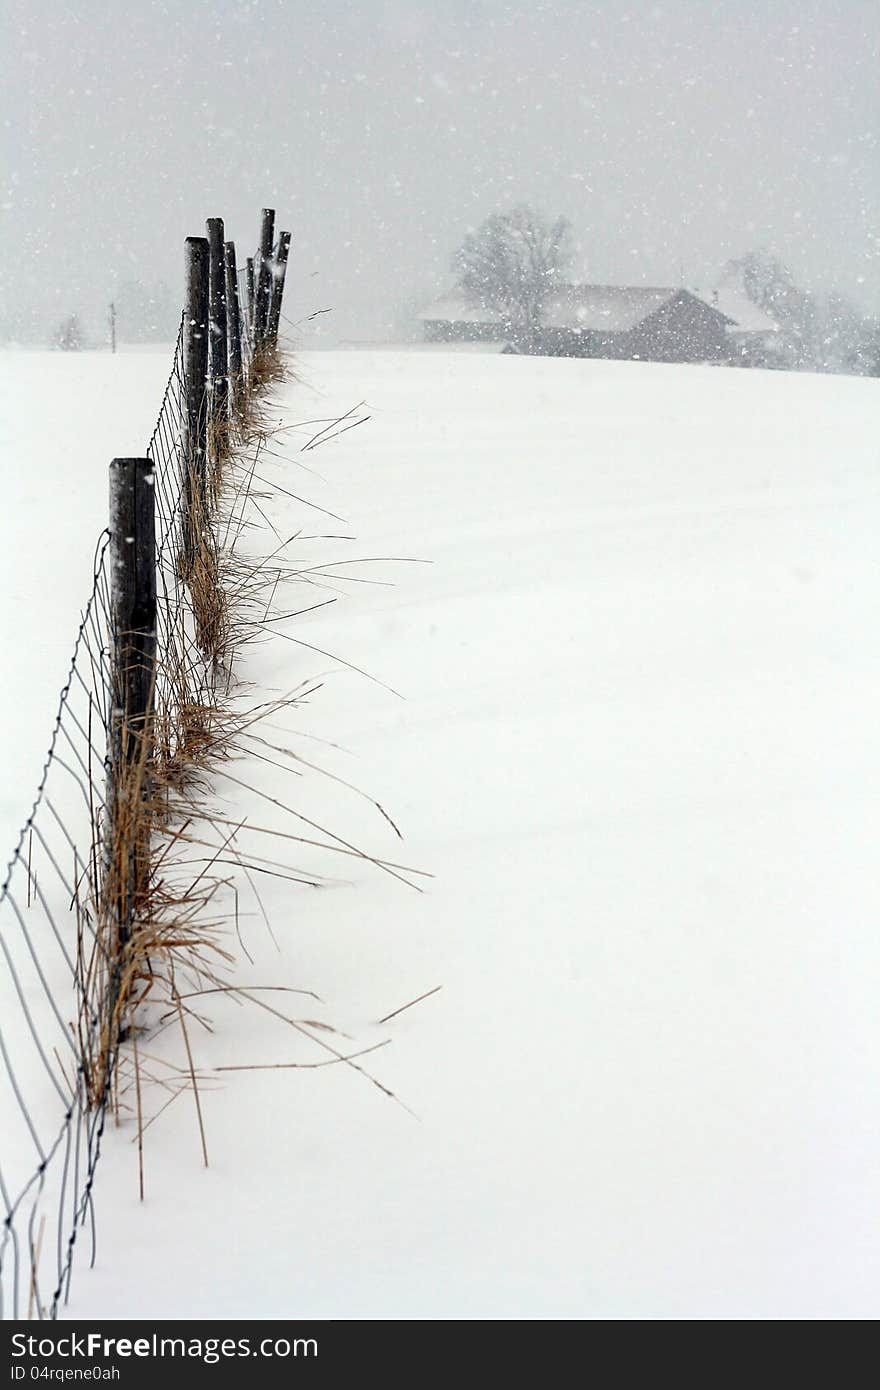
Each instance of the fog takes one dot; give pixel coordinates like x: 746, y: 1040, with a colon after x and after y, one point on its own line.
x: 673, y: 135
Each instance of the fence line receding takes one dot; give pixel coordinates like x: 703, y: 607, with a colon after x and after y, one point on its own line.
x: 78, y: 897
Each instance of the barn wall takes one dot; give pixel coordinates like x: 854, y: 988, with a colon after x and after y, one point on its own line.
x: 684, y: 330
x: 564, y: 342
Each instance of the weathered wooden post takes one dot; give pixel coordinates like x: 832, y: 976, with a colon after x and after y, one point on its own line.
x: 251, y: 295
x: 133, y: 665
x: 279, y: 271
x: 194, y: 443
x: 219, y: 392
x: 264, y: 276
x: 233, y: 326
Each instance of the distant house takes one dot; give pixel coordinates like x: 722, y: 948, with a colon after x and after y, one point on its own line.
x: 616, y: 321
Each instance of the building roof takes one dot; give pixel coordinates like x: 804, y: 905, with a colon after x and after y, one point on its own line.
x: 730, y: 296
x: 591, y: 308
x: 604, y: 308
x: 746, y: 317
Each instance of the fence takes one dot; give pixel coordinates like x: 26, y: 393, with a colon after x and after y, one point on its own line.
x: 86, y: 924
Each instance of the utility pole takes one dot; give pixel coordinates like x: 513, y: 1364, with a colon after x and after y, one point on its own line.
x: 112, y: 327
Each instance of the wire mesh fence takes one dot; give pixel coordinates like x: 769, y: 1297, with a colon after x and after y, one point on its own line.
x: 58, y: 1052
x: 67, y: 975
x: 51, y: 1130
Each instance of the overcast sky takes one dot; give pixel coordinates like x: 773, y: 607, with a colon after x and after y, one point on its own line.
x: 674, y: 135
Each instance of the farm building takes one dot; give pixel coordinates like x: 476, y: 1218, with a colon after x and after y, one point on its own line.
x: 612, y: 321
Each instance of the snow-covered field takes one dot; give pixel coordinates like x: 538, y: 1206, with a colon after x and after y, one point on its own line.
x: 639, y: 750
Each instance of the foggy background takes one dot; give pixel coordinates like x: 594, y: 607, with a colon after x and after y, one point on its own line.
x: 673, y: 135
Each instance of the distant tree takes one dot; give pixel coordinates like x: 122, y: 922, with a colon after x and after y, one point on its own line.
x: 68, y: 335
x: 845, y: 341
x: 819, y: 332
x: 871, y: 358
x: 511, y: 264
x: 770, y: 284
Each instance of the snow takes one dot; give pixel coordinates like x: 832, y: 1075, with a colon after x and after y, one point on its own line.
x: 638, y: 750
x: 63, y: 417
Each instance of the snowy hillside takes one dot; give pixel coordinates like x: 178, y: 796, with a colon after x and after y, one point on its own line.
x: 638, y: 749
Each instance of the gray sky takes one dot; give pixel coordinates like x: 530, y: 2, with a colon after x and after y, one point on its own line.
x: 673, y: 134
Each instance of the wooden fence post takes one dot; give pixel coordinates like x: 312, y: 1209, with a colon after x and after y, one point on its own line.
x: 264, y: 275
x: 279, y: 271
x: 219, y: 392
x: 194, y: 444
x: 233, y: 325
x: 251, y: 297
x: 133, y: 664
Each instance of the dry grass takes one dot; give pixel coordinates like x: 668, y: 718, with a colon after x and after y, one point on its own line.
x: 151, y: 927
x: 165, y: 928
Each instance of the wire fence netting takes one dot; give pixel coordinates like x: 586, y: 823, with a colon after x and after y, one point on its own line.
x: 58, y: 1058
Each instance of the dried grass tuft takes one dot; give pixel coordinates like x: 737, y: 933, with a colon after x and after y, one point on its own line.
x: 162, y: 932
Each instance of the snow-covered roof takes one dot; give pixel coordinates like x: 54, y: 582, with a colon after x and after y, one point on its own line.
x: 729, y: 294
x: 735, y: 304
x: 604, y: 308
x: 593, y: 308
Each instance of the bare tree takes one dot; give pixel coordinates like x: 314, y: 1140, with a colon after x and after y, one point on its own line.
x: 511, y: 263
x: 770, y: 284
x: 819, y: 332
x: 69, y: 335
